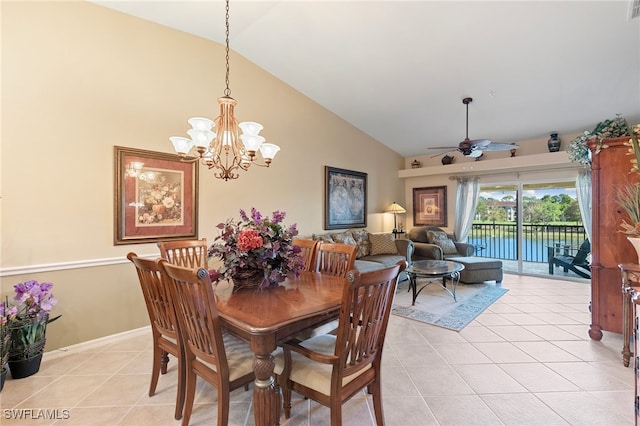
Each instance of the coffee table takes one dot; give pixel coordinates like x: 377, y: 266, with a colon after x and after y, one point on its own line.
x: 434, y: 269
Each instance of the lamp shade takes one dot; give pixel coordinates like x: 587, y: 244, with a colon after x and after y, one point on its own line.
x: 396, y: 208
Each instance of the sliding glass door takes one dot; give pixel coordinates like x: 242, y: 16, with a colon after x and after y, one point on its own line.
x: 524, y: 223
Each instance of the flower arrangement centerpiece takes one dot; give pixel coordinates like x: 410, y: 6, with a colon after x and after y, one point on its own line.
x: 28, y: 324
x: 256, y: 251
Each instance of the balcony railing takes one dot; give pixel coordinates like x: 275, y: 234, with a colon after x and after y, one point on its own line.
x: 500, y: 241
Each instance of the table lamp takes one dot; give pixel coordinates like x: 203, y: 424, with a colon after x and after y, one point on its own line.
x: 395, y: 208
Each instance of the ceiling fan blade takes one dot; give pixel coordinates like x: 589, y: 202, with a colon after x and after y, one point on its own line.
x: 500, y: 147
x: 475, y: 153
x: 480, y: 142
x: 443, y: 152
x: 443, y: 147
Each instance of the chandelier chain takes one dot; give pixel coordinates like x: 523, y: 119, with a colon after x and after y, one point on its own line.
x: 227, y: 91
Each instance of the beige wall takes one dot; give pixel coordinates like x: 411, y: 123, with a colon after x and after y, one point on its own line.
x: 78, y: 79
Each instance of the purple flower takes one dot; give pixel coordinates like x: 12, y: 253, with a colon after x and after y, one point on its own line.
x: 34, y: 296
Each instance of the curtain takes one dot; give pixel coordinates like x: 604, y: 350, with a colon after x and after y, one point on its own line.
x: 466, y: 202
x: 583, y: 194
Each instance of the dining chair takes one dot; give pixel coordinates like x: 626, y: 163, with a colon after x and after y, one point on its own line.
x: 221, y: 359
x: 164, y: 325
x: 335, y: 258
x: 307, y: 251
x: 331, y: 369
x: 188, y: 253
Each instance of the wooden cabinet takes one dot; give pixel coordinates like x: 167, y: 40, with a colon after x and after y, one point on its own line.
x: 635, y: 296
x: 609, y: 247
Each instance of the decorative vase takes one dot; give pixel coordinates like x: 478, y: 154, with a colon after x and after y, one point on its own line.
x: 553, y: 143
x: 21, y: 368
x: 635, y: 242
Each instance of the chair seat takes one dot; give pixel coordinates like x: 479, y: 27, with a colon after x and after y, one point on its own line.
x: 313, y: 374
x: 239, y: 357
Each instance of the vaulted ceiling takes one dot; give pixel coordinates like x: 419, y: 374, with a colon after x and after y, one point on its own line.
x: 398, y: 70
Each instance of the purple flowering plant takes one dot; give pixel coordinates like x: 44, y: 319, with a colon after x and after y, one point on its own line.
x: 7, y: 313
x: 256, y: 244
x: 27, y: 321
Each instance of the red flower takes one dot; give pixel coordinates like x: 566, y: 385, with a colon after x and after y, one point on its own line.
x: 249, y: 239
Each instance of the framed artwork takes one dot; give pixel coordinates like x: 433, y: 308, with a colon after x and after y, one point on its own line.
x: 156, y: 197
x: 345, y: 199
x: 430, y: 206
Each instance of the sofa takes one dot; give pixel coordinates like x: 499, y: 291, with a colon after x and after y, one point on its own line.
x: 431, y: 242
x: 373, y: 250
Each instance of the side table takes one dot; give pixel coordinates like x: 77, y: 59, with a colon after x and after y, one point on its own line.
x: 630, y: 275
x: 398, y: 235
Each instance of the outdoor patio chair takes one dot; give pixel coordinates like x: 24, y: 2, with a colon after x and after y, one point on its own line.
x: 578, y: 263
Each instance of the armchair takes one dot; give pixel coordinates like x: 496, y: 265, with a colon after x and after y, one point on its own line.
x: 431, y: 242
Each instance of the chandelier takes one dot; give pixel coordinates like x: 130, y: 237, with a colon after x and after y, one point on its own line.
x: 223, y: 149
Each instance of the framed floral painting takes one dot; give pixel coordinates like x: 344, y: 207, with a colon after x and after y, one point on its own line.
x: 156, y: 197
x: 430, y: 206
x: 345, y: 199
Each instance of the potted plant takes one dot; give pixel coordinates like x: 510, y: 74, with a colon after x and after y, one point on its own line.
x: 28, y: 327
x: 6, y: 312
x: 609, y: 128
x: 628, y: 196
x: 257, y: 251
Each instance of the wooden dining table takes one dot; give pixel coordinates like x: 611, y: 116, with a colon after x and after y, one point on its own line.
x: 267, y: 318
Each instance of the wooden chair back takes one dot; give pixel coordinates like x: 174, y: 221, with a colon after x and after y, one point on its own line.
x: 308, y: 252
x: 335, y: 259
x: 164, y: 323
x: 203, y: 340
x: 187, y: 253
x: 364, y: 316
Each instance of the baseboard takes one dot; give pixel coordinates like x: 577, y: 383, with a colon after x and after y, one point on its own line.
x: 90, y: 344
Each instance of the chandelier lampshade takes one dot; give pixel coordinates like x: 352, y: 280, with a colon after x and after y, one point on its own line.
x: 217, y: 142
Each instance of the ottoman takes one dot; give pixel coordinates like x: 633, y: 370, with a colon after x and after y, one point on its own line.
x: 479, y: 269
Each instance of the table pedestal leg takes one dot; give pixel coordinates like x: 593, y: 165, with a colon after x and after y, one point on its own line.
x: 266, y: 401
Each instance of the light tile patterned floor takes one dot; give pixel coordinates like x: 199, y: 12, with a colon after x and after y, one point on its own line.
x: 527, y: 360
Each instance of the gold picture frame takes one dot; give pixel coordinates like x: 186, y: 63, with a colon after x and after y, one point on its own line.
x: 156, y: 197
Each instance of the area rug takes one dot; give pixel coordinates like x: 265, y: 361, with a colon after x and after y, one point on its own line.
x: 435, y: 306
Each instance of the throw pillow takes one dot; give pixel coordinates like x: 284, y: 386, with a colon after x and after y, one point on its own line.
x: 382, y: 244
x: 325, y: 238
x: 344, y: 238
x: 362, y: 241
x: 442, y: 239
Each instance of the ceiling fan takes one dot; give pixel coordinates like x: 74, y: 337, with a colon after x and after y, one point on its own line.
x: 474, y: 148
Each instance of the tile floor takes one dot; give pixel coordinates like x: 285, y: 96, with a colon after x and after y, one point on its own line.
x: 527, y: 360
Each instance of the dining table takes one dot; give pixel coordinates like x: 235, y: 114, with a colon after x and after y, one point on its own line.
x: 266, y: 318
